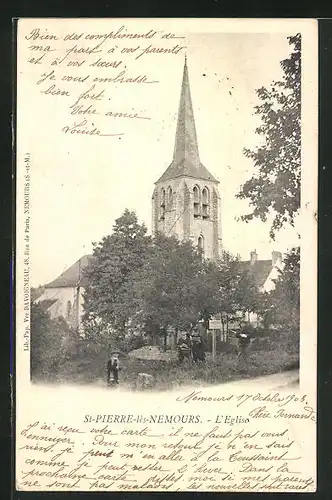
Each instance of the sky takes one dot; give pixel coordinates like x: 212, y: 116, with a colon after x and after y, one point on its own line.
x: 80, y: 185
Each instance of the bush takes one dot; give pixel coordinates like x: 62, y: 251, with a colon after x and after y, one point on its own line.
x: 132, y: 343
x: 48, y: 337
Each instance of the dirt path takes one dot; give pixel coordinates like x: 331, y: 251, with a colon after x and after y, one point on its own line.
x: 276, y: 381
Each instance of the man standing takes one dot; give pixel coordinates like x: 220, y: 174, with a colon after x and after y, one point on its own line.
x: 198, y: 346
x: 244, y: 338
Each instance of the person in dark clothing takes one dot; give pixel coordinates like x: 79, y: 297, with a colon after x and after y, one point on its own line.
x: 184, y: 347
x: 113, y: 368
x: 244, y: 339
x: 198, y: 347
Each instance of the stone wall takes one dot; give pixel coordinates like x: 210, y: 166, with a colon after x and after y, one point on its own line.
x: 63, y: 296
x: 179, y: 218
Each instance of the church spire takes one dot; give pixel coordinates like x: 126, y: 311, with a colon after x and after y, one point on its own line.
x: 186, y: 162
x: 186, y: 147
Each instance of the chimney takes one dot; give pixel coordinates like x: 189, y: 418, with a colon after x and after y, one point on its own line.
x: 253, y: 257
x: 275, y: 257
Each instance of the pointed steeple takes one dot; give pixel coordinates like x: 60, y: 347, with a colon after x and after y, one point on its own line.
x: 186, y: 147
x: 186, y: 161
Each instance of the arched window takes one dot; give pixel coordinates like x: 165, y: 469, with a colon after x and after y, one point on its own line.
x: 200, y: 244
x: 196, y: 192
x: 163, y: 197
x: 68, y: 309
x: 170, y: 197
x: 205, y: 203
x: 205, y: 196
x: 162, y: 204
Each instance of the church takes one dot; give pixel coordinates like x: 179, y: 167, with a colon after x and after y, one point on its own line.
x: 185, y: 202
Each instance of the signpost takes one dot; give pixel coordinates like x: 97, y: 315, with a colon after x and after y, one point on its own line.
x: 214, y: 324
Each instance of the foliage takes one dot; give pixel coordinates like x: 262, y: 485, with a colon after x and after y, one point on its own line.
x: 281, y: 307
x: 138, y: 286
x: 35, y: 293
x: 275, y: 186
x: 238, y: 290
x: 115, y: 259
x: 91, y: 368
x: 47, y: 351
x: 174, y: 288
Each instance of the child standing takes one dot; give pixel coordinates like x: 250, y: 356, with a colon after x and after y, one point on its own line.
x: 113, y: 368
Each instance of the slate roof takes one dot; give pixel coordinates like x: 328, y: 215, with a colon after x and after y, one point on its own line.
x: 72, y: 275
x: 186, y: 169
x: 47, y: 303
x: 260, y: 269
x: 186, y: 161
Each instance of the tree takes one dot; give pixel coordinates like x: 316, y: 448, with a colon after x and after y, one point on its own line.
x: 47, y: 352
x: 238, y: 290
x: 174, y: 288
x: 281, y: 307
x: 275, y: 187
x: 35, y: 293
x: 136, y: 284
x: 115, y: 258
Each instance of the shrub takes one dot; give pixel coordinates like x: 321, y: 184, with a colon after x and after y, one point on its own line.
x: 48, y: 350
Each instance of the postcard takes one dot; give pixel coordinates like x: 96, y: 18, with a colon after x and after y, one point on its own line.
x: 166, y: 256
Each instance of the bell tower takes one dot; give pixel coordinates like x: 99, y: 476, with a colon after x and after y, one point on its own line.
x: 186, y: 199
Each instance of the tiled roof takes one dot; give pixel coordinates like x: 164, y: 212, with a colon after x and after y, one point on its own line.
x: 260, y: 269
x: 72, y: 276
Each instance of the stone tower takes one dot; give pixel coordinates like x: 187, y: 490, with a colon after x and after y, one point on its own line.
x: 186, y: 200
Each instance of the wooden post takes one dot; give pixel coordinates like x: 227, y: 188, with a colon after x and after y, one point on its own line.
x: 214, y: 344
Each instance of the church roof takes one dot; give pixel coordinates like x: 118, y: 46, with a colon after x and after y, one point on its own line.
x: 72, y: 276
x: 47, y: 303
x: 260, y: 270
x: 186, y: 161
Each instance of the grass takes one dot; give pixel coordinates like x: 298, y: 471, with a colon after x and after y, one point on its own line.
x: 91, y: 368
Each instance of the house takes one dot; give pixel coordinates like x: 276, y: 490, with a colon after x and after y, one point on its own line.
x: 265, y: 273
x: 64, y: 296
